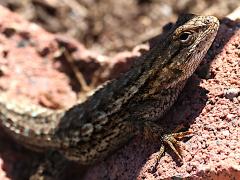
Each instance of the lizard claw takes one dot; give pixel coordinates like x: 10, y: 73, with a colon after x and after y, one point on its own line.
x: 172, y: 140
x: 154, y: 131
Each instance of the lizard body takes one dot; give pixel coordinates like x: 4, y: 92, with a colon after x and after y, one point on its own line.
x: 109, y: 118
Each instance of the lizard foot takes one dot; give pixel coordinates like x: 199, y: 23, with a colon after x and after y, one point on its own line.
x: 172, y: 141
x: 154, y: 131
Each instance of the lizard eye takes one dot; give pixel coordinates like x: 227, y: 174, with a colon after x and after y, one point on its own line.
x: 185, y: 37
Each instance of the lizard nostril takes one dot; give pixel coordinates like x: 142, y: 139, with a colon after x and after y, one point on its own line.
x: 209, y: 19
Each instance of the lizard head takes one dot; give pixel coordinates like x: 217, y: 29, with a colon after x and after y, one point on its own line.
x: 186, y: 45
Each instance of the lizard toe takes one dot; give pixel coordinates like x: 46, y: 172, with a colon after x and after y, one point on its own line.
x: 173, y: 142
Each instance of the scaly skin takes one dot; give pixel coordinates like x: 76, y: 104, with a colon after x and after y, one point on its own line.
x: 109, y: 118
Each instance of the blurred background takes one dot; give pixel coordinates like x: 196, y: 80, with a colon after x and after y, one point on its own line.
x: 110, y: 26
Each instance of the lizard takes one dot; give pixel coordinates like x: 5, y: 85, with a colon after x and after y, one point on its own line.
x: 89, y: 131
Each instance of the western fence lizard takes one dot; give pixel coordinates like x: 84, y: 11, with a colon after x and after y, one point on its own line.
x: 134, y: 102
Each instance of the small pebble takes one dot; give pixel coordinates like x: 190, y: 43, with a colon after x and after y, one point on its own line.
x: 231, y: 93
x: 229, y: 117
x: 226, y: 133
